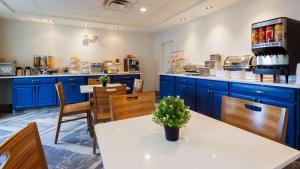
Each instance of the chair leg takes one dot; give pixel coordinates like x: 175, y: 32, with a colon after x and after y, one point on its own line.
x: 89, y: 123
x: 58, y: 128
x: 94, y: 143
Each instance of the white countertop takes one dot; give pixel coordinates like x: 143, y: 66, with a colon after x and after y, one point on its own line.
x: 66, y: 75
x: 268, y: 82
x: 204, y: 143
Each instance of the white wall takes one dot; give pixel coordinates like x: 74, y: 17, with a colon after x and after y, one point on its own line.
x: 22, y: 40
x: 227, y: 32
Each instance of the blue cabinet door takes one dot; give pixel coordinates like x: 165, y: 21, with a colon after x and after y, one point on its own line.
x: 167, y: 87
x: 164, y: 91
x: 179, y: 90
x: 45, y: 95
x: 185, y: 88
x: 203, y: 101
x: 190, y: 96
x: 78, y: 97
x: 216, y: 103
x: 291, y: 132
x: 23, y: 96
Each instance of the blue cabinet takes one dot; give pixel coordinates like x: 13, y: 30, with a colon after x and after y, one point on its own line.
x: 203, y: 101
x: 125, y: 79
x: 45, y: 95
x: 185, y: 88
x: 275, y: 96
x: 216, y: 104
x: 209, y: 97
x: 166, y: 86
x: 23, y: 96
x: 33, y: 92
x: 71, y: 87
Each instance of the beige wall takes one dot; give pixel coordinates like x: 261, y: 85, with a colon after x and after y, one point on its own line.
x: 22, y: 40
x: 227, y: 32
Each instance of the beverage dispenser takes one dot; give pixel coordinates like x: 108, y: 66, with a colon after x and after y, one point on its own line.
x: 274, y: 42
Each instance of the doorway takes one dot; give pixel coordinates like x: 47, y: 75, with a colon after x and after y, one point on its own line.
x: 167, y: 48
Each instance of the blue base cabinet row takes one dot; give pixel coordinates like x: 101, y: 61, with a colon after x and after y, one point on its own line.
x: 34, y: 92
x: 41, y: 92
x: 205, y: 97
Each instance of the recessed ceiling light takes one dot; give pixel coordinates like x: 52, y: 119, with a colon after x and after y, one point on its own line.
x: 182, y: 19
x: 143, y: 9
x: 86, y: 24
x: 209, y: 7
x: 51, y: 21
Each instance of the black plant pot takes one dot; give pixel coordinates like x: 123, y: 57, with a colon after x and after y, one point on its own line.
x: 104, y: 84
x: 172, y: 133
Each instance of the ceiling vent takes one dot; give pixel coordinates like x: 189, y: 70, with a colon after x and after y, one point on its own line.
x: 119, y: 5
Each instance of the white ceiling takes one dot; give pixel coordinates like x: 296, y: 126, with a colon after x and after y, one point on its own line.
x: 160, y: 13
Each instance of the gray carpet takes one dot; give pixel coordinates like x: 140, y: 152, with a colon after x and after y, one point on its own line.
x: 74, y: 150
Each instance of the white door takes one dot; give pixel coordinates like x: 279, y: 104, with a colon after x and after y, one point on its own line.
x: 167, y: 48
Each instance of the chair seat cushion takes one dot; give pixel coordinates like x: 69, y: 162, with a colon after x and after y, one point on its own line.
x: 77, y: 108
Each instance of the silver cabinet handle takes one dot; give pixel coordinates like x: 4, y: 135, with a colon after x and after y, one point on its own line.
x: 260, y: 92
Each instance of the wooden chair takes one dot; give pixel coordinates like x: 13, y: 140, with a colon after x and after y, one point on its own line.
x: 70, y: 110
x: 134, y: 105
x: 94, y: 82
x: 24, y: 150
x: 261, y: 119
x: 101, y: 107
x: 138, y: 86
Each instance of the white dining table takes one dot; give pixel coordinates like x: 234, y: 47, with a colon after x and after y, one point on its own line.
x: 86, y: 89
x: 139, y: 143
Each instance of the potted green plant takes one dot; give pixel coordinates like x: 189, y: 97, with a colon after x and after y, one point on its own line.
x: 103, y: 80
x: 173, y: 114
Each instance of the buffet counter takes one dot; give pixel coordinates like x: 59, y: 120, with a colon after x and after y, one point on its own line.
x: 266, y: 82
x: 67, y: 75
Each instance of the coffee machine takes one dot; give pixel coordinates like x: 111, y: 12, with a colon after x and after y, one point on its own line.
x: 275, y: 44
x: 43, y: 64
x: 131, y: 65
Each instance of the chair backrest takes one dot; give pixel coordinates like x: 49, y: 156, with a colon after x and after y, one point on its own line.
x: 24, y: 150
x: 138, y: 86
x: 133, y: 105
x: 94, y: 81
x: 60, y: 93
x: 101, y: 96
x: 261, y: 119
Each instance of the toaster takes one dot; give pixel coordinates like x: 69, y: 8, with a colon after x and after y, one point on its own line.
x: 7, y: 69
